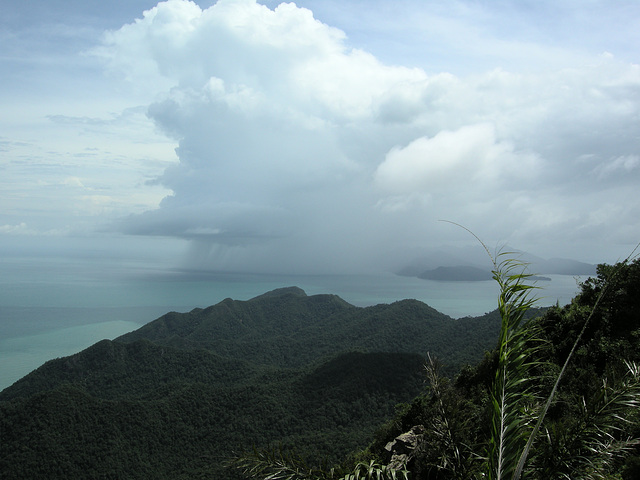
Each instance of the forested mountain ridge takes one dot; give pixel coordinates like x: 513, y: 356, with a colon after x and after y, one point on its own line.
x: 279, y: 312
x: 178, y: 395
x: 287, y: 328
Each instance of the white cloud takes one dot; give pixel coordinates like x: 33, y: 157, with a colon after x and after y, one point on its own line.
x: 73, y: 182
x: 303, y: 144
x: 468, y: 158
x: 22, y: 229
x: 619, y: 167
x: 243, y: 49
x: 282, y: 127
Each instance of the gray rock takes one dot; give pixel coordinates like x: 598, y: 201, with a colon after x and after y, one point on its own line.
x: 401, y: 449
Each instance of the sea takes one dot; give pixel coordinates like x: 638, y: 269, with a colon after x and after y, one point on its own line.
x: 55, y: 308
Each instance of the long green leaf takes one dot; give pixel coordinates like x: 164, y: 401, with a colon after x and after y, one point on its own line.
x: 510, y: 391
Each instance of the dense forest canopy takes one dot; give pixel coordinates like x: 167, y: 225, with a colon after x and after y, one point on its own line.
x: 182, y: 393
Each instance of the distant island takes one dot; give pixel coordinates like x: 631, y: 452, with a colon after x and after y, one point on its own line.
x: 464, y: 267
x: 464, y: 274
x: 456, y: 274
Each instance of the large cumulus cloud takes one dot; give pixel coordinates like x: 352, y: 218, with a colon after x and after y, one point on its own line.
x: 297, y: 151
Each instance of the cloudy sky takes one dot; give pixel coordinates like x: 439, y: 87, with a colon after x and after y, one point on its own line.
x: 318, y: 136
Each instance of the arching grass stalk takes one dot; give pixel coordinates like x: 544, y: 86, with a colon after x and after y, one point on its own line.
x: 451, y: 456
x: 276, y: 464
x: 510, y: 392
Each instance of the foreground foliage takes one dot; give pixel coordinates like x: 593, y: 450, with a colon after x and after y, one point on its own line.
x: 557, y: 399
x: 277, y: 464
x: 561, y: 395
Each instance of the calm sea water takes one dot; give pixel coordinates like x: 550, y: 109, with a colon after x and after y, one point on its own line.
x: 54, y: 309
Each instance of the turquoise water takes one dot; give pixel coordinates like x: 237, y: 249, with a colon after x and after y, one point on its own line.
x: 22, y: 354
x: 53, y: 309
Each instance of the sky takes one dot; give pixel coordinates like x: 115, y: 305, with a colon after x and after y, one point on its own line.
x: 321, y: 136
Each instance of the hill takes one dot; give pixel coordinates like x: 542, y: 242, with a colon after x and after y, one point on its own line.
x: 456, y: 274
x: 177, y: 396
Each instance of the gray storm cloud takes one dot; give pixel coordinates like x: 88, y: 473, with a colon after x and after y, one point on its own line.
x: 299, y: 152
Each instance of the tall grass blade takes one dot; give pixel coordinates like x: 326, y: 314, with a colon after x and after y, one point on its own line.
x: 516, y: 348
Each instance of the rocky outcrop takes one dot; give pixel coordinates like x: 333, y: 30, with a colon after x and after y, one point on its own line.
x: 402, y: 450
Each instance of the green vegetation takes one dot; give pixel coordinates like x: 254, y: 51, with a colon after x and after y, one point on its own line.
x: 558, y: 397
x: 179, y: 396
x: 284, y: 372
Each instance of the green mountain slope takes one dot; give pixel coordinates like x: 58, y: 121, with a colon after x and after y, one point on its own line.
x: 181, y: 427
x: 182, y: 393
x: 288, y: 328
